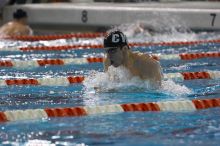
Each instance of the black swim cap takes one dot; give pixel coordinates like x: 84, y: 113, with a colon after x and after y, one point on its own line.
x: 19, y: 14
x: 115, y: 39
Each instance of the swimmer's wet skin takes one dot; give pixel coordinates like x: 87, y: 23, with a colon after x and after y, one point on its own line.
x: 18, y: 26
x: 119, y: 54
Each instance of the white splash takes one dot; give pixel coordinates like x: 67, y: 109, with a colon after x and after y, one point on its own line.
x: 114, y: 80
x: 120, y: 80
x: 174, y: 88
x: 161, y: 29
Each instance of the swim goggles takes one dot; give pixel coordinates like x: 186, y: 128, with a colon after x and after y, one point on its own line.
x: 111, y: 50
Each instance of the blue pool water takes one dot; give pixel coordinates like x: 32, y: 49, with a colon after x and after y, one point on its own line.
x: 132, y: 128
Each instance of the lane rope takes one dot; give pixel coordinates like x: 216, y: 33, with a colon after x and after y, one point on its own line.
x: 100, y: 46
x: 167, y: 106
x: 58, y: 36
x: 49, y: 62
x: 65, y: 81
x: 97, y: 34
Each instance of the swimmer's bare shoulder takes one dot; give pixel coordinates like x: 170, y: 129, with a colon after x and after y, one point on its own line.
x: 6, y: 26
x: 149, y: 67
x: 7, y: 29
x: 142, y: 57
x: 14, y: 28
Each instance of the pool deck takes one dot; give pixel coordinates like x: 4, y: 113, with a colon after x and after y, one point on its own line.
x: 83, y: 16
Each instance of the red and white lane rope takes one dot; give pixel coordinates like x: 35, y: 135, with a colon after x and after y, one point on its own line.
x: 97, y: 34
x: 54, y: 48
x: 65, y: 81
x: 170, y: 106
x: 59, y: 81
x: 188, y: 56
x: 47, y: 62
x: 91, y: 46
x: 58, y: 36
x: 193, y: 75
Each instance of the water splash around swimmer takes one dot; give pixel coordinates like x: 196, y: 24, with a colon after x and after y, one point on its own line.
x: 120, y: 80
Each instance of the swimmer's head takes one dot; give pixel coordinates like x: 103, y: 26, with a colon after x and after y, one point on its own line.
x: 115, y: 44
x: 115, y: 39
x: 20, y: 14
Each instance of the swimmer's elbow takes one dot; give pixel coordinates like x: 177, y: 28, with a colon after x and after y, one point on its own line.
x: 106, y: 64
x: 105, y: 67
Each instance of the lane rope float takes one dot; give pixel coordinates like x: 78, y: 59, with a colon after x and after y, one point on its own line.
x: 100, y: 46
x: 65, y: 81
x: 167, y: 106
x: 97, y: 34
x: 58, y: 36
x: 48, y: 62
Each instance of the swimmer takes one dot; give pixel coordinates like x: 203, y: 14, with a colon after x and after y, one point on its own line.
x: 16, y: 27
x: 119, y: 53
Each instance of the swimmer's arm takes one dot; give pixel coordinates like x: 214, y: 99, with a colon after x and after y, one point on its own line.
x: 6, y: 30
x: 151, y: 70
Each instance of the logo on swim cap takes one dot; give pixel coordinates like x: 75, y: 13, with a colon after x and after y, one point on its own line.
x: 115, y: 39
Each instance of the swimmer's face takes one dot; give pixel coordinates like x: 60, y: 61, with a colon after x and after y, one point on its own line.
x: 115, y: 55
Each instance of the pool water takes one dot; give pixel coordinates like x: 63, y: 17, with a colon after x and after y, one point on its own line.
x: 132, y: 128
